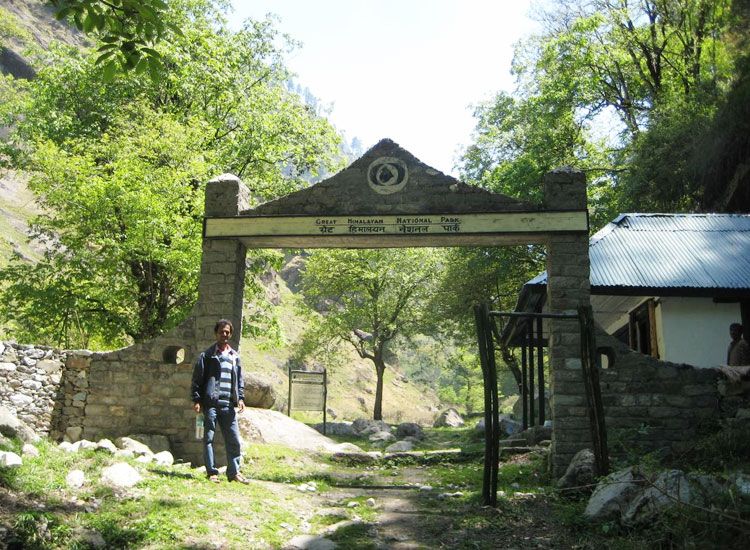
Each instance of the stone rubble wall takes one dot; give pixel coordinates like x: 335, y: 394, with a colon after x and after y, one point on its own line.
x: 35, y: 384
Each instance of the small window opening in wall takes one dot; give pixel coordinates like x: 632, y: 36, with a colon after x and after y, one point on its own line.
x: 605, y: 357
x: 174, y: 355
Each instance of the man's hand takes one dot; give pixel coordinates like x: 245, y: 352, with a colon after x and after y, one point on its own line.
x: 197, y: 407
x: 241, y: 405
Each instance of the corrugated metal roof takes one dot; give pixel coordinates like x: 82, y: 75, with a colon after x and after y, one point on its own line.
x: 701, y: 251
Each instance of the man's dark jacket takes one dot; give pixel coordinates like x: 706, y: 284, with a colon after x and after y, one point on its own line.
x: 207, y: 375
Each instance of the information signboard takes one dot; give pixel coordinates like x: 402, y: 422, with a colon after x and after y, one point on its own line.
x: 307, y: 392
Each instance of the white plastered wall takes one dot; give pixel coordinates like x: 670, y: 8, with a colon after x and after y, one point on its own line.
x: 695, y: 330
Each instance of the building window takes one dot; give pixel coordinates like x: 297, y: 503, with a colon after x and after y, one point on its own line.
x: 642, y: 329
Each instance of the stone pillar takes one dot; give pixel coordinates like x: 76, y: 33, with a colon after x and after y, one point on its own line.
x: 222, y: 282
x: 568, y: 287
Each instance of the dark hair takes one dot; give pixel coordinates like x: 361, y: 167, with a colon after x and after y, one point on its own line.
x: 223, y: 323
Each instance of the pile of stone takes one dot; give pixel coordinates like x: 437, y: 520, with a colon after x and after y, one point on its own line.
x: 635, y: 498
x: 128, y: 447
x: 30, y: 378
x: 399, y: 438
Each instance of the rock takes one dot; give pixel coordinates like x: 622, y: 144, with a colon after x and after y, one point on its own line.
x: 164, y: 458
x: 20, y: 400
x: 31, y: 385
x: 120, y: 474
x: 400, y: 446
x: 84, y: 444
x: 336, y: 428
x: 12, y: 426
x: 29, y: 450
x: 10, y: 460
x: 67, y: 446
x: 88, y: 538
x: 449, y: 418
x: 382, y: 437
x: 291, y: 272
x: 106, y: 445
x: 409, y: 429
x: 364, y: 426
x: 613, y: 495
x: 370, y: 502
x: 669, y: 489
x: 50, y: 366
x: 508, y: 426
x: 130, y: 444
x: 75, y: 479
x: 74, y: 433
x: 309, y: 542
x: 145, y: 459
x: 7, y: 367
x: 156, y: 443
x: 9, y: 422
x: 742, y: 483
x: 258, y: 392
x: 346, y: 448
x: 581, y: 473
x: 267, y: 426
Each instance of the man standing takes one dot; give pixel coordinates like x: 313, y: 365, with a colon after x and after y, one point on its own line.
x: 217, y: 389
x: 739, y: 350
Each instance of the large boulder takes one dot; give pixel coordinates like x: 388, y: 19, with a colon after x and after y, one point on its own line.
x: 365, y: 427
x: 613, y: 494
x: 581, y: 473
x: 259, y: 392
x: 267, y: 426
x: 336, y: 428
x: 670, y: 489
x: 449, y: 418
x: 409, y: 429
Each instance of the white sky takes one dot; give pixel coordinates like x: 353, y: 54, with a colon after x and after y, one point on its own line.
x: 408, y: 70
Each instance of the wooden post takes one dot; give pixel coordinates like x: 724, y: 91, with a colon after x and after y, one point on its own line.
x: 593, y: 391
x: 540, y: 364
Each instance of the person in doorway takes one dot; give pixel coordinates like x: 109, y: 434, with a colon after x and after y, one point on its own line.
x: 738, y: 354
x: 217, y: 388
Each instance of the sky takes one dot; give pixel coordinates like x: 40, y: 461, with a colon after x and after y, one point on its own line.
x: 408, y: 70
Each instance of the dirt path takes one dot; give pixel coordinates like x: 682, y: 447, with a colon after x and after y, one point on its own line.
x: 401, y: 517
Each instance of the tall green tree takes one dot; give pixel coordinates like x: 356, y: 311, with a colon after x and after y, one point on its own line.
x: 119, y: 168
x: 370, y: 297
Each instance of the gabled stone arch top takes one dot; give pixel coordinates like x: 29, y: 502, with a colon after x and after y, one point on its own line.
x: 388, y: 198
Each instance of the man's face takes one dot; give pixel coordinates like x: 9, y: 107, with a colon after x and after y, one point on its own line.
x: 735, y: 332
x: 223, y: 334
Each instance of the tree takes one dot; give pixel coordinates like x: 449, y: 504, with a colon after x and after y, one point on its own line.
x: 119, y: 167
x: 371, y: 297
x: 128, y: 31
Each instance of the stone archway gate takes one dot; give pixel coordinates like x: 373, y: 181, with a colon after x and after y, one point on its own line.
x: 387, y: 198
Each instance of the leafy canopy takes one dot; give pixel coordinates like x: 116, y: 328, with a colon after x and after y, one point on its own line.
x: 119, y: 167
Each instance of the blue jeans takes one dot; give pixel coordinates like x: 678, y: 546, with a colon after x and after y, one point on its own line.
x: 227, y: 419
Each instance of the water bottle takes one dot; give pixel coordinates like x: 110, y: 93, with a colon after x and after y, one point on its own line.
x: 199, y: 426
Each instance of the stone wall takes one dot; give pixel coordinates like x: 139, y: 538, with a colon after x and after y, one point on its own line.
x: 651, y: 404
x: 36, y: 385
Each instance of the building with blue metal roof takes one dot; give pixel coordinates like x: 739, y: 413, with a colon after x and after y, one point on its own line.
x: 669, y: 285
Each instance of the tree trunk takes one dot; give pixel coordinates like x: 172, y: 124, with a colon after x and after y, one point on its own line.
x: 377, y: 413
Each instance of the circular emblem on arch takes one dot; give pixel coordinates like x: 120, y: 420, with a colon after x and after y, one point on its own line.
x: 387, y: 175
